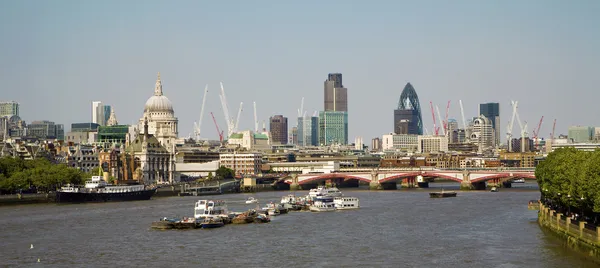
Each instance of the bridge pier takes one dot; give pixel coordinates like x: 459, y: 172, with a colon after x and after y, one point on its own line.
x: 374, y: 184
x: 409, y: 183
x: 295, y: 186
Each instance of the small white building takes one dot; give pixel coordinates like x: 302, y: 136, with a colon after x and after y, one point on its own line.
x: 432, y: 144
x: 399, y: 142
x: 306, y: 167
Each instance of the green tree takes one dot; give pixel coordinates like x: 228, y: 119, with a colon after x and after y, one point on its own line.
x: 224, y: 173
x: 210, y: 176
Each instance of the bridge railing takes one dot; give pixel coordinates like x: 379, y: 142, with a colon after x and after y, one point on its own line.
x: 507, y: 169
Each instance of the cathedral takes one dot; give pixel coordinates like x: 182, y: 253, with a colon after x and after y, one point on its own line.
x: 154, y: 149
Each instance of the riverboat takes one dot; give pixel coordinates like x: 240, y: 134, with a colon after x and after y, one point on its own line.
x: 521, y: 180
x: 346, y: 202
x: 211, y: 223
x: 442, y: 194
x: 323, y: 204
x: 98, y: 190
x: 324, y: 191
x: 251, y: 200
x: 494, y: 189
x: 210, y: 209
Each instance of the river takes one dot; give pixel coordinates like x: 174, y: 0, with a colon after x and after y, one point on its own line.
x: 403, y: 228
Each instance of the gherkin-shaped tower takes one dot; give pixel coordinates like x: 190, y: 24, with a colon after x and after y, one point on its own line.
x: 407, y: 118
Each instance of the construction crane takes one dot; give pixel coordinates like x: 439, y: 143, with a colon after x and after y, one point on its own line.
x: 509, y: 127
x: 446, y: 118
x: 536, y: 132
x: 552, y: 135
x: 237, y: 119
x: 218, y: 130
x: 228, y: 120
x: 440, y: 118
x: 524, y: 133
x: 197, y: 127
x: 255, y: 119
x: 301, y: 110
x: 435, y: 128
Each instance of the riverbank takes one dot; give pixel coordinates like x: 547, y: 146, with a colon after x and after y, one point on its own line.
x: 576, y: 235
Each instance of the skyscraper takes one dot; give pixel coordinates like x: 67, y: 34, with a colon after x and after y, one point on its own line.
x: 98, y: 113
x: 492, y: 112
x: 9, y: 108
x: 308, y: 127
x: 106, y: 113
x: 333, y: 127
x: 336, y: 95
x: 278, y: 126
x: 407, y: 118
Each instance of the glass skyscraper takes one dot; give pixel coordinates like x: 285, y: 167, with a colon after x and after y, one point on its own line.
x: 308, y: 131
x: 407, y: 118
x: 333, y: 127
x: 492, y: 112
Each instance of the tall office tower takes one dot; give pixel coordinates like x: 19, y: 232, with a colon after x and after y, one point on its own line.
x: 106, y: 112
x: 376, y: 144
x: 308, y: 127
x: 492, y: 112
x: 333, y: 127
x: 336, y: 95
x: 9, y: 108
x: 98, y: 113
x: 407, y: 118
x: 278, y: 126
x: 452, y: 131
x: 294, y: 136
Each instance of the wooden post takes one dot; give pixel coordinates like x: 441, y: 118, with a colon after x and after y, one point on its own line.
x: 558, y: 215
x: 568, y: 223
x: 597, y: 234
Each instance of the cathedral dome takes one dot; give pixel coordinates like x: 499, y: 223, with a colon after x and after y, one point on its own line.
x: 158, y: 103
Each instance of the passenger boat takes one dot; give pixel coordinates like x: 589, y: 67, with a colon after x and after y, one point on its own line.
x: 251, y: 200
x: 442, y: 194
x: 345, y: 202
x: 519, y: 180
x: 211, y: 223
x: 98, y: 190
x: 324, y: 191
x: 494, y: 189
x: 210, y: 209
x: 272, y: 209
x: 323, y: 204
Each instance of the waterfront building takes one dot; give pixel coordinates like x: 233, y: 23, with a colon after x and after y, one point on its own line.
x: 9, y: 108
x: 432, y: 144
x: 308, y: 129
x: 162, y: 123
x: 278, y: 127
x: 153, y: 164
x: 580, y: 134
x: 335, y: 94
x: 492, y: 112
x: 83, y: 157
x: 407, y: 118
x: 242, y: 163
x: 46, y: 130
x: 399, y: 142
x: 333, y: 128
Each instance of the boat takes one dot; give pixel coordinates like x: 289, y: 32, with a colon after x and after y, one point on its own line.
x: 163, y: 224
x: 262, y: 218
x: 442, y: 194
x: 210, y: 209
x: 211, y: 223
x: 185, y: 223
x: 272, y: 209
x: 494, y: 189
x: 98, y: 190
x: 324, y: 191
x: 251, y: 200
x: 323, y: 204
x: 346, y: 202
x: 521, y: 180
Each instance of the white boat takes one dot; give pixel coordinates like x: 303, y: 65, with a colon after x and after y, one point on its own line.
x: 494, y: 189
x: 323, y: 204
x: 251, y: 200
x: 324, y: 191
x: 210, y: 209
x: 272, y: 209
x: 519, y: 180
x: 346, y: 202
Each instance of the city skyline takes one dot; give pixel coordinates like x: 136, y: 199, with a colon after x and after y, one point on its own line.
x: 539, y: 53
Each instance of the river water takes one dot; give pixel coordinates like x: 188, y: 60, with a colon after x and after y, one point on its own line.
x: 391, y: 229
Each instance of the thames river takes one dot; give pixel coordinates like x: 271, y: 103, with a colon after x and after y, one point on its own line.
x: 391, y: 229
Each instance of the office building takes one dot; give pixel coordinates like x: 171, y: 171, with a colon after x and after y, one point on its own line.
x: 46, y: 130
x: 278, y: 126
x: 407, y: 118
x: 9, y: 108
x: 333, y: 127
x: 579, y: 134
x: 336, y: 95
x: 294, y: 136
x: 492, y: 112
x: 308, y: 129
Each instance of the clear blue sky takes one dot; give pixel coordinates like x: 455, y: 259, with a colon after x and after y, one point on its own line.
x: 58, y: 56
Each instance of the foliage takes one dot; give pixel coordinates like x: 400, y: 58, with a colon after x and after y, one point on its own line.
x: 570, y: 180
x: 210, y: 176
x: 224, y: 173
x: 35, y: 175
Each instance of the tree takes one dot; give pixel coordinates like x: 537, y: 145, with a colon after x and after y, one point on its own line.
x: 210, y: 176
x: 224, y: 173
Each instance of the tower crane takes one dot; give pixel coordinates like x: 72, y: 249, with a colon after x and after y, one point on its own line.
x: 509, y: 127
x: 228, y: 120
x: 197, y: 127
x: 237, y: 120
x: 552, y: 135
x: 435, y: 128
x: 218, y: 130
x: 536, y: 132
x: 255, y: 119
x: 440, y: 118
x: 446, y: 118
x: 524, y: 133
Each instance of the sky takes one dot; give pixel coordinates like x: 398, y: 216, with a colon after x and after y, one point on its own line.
x: 56, y: 57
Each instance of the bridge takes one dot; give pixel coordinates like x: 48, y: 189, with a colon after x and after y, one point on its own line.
x: 386, y: 178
